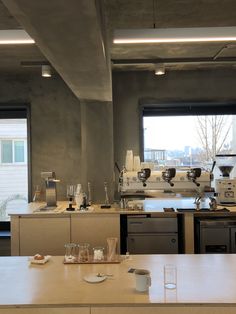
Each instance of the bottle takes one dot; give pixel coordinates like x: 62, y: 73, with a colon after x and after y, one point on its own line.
x: 89, y: 194
x: 79, y: 196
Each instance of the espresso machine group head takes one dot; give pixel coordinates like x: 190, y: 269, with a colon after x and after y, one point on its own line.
x: 193, y: 174
x: 168, y: 174
x: 143, y: 175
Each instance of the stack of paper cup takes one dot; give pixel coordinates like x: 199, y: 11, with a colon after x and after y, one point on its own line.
x: 137, y: 165
x: 129, y: 160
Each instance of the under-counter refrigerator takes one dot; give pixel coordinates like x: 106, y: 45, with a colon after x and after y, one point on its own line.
x: 149, y: 235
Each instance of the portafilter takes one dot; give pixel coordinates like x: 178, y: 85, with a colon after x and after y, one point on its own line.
x: 143, y: 175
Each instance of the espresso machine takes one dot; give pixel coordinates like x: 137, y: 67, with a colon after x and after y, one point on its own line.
x: 225, y: 185
x: 149, y: 183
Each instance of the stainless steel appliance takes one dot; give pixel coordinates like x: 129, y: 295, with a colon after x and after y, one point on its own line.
x: 51, y: 193
x: 152, y: 235
x: 217, y: 235
x: 191, y: 180
x: 225, y: 186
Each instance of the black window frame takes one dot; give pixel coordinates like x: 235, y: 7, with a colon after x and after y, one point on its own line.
x: 20, y: 111
x: 152, y: 108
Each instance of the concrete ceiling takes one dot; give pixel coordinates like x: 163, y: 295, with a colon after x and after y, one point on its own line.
x: 69, y: 35
x: 76, y: 38
x: 171, y: 14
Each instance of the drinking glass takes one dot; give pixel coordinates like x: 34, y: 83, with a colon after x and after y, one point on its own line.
x: 98, y: 253
x: 170, y: 276
x: 112, y: 249
x: 37, y: 194
x: 83, y: 255
x: 70, y: 254
x: 71, y: 190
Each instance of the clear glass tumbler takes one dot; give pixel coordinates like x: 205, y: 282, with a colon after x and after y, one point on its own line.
x: 70, y: 254
x: 98, y: 253
x: 170, y: 276
x: 112, y: 249
x: 83, y: 255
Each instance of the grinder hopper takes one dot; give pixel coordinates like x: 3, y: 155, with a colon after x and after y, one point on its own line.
x: 225, y: 163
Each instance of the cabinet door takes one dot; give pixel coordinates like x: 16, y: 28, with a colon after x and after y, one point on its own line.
x: 214, y: 240
x: 153, y: 243
x: 44, y: 235
x: 233, y: 239
x: 95, y: 228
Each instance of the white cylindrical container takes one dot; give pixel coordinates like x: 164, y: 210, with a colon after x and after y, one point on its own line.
x: 98, y: 253
x: 79, y: 196
x: 129, y: 160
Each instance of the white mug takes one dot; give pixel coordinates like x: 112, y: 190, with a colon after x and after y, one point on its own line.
x: 142, y: 279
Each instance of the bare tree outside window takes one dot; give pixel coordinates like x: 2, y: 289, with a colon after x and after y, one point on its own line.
x: 214, y: 133
x: 188, y: 141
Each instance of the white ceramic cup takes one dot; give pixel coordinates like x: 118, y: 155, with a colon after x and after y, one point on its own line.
x: 170, y: 276
x: 142, y: 279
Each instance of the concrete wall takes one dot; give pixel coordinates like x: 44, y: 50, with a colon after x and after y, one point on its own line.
x: 55, y: 126
x: 75, y: 138
x: 72, y: 138
x: 131, y: 87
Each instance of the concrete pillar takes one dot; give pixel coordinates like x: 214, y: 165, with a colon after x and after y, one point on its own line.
x: 97, y: 152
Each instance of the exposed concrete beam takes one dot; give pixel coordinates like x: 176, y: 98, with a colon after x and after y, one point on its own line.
x: 69, y: 34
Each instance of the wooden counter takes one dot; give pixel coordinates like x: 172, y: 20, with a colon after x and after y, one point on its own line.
x: 205, y: 284
x: 31, y: 227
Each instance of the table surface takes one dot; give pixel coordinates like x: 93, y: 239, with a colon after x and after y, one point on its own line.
x: 149, y: 206
x: 201, y: 279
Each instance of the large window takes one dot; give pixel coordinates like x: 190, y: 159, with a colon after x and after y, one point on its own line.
x: 13, y: 161
x: 188, y: 136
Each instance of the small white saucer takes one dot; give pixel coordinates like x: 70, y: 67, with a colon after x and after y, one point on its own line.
x: 41, y: 261
x: 93, y: 278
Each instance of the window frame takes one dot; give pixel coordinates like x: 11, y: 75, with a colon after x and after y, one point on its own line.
x: 14, y: 162
x: 21, y: 111
x: 150, y: 108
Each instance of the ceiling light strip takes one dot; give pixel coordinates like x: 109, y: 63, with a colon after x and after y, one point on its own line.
x: 15, y: 37
x: 174, y: 35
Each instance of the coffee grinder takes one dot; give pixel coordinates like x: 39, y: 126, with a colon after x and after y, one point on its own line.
x: 225, y: 186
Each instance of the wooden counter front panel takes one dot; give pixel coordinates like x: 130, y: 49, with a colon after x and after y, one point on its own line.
x: 175, y: 309
x: 46, y: 236
x: 42, y: 310
x: 95, y: 229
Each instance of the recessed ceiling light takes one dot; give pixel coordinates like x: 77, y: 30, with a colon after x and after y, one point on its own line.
x: 46, y: 71
x: 15, y: 37
x: 174, y: 35
x: 159, y: 69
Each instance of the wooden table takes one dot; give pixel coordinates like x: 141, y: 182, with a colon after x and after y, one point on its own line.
x: 205, y: 284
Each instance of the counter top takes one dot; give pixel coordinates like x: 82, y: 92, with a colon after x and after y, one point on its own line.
x: 201, y: 279
x: 149, y: 206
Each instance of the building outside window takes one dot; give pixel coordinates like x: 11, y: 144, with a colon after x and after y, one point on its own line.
x: 13, y: 151
x: 182, y: 138
x: 13, y: 165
